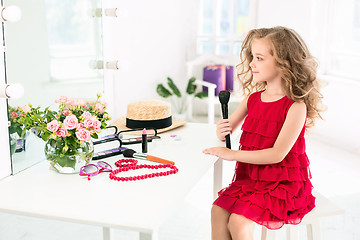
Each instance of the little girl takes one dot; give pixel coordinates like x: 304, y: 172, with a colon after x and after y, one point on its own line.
x: 271, y: 184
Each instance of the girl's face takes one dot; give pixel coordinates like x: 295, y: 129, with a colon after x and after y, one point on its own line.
x: 263, y: 64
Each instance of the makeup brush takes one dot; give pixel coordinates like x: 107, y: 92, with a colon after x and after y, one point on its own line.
x: 224, y: 97
x: 133, y: 154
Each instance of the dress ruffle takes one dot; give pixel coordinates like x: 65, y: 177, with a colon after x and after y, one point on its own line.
x: 257, y: 141
x: 266, y: 210
x: 274, y: 194
x: 262, y: 127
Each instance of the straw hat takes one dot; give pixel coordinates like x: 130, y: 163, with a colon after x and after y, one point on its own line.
x: 148, y: 114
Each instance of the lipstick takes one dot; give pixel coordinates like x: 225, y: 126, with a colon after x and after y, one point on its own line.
x: 132, y: 154
x: 144, y: 141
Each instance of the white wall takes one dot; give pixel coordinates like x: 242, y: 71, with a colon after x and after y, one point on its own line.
x: 295, y: 14
x: 308, y: 18
x: 152, y: 42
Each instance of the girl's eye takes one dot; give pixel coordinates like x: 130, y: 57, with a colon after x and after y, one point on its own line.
x: 259, y: 58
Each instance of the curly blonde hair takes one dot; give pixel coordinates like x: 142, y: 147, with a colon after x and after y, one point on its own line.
x: 297, y: 66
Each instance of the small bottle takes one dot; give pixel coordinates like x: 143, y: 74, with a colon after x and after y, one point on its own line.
x: 144, y: 141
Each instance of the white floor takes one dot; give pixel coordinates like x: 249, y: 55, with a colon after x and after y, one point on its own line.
x: 335, y: 175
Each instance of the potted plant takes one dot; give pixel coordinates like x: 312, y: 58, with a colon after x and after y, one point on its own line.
x: 179, y: 101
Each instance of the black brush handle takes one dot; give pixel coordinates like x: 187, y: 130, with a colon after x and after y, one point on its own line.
x: 228, y: 143
x: 224, y: 108
x: 224, y: 97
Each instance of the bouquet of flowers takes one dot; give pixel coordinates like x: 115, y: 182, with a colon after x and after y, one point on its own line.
x: 75, y: 122
x: 20, y: 124
x: 19, y: 120
x: 69, y: 130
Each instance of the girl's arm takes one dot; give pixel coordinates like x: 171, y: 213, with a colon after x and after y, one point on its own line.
x: 225, y: 126
x: 286, y: 139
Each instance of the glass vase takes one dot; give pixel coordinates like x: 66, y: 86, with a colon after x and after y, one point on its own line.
x: 71, y: 160
x: 17, y: 143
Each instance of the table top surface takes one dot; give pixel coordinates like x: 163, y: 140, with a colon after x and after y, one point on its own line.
x: 135, y: 205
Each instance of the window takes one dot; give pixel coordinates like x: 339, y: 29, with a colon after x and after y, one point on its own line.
x: 223, y: 25
x: 344, y: 39
x: 73, y: 37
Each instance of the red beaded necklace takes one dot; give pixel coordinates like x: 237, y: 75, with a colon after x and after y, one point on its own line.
x: 125, y: 165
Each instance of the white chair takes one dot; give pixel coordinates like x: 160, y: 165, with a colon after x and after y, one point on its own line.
x: 324, y: 208
x: 210, y: 101
x: 195, y: 69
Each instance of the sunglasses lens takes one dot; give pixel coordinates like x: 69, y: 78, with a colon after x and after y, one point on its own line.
x: 104, y: 165
x: 90, y: 169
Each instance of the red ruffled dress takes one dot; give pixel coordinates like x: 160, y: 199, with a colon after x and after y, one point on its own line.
x: 274, y: 194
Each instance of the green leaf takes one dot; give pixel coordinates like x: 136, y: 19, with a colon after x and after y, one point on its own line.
x: 23, y: 133
x: 65, y: 149
x: 162, y: 91
x: 65, y: 161
x: 19, y: 131
x: 45, y: 136
x: 191, y: 87
x: 173, y: 87
x: 201, y: 95
x: 94, y: 135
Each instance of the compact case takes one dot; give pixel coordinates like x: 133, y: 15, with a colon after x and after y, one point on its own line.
x: 108, y: 141
x: 133, y: 140
x: 117, y: 139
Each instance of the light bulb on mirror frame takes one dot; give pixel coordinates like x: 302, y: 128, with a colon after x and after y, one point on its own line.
x: 10, y: 13
x: 116, y: 12
x: 11, y: 91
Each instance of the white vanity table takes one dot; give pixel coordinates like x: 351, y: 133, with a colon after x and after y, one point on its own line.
x: 138, y: 206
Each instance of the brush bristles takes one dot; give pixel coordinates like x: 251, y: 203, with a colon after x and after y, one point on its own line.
x: 224, y: 96
x: 128, y: 153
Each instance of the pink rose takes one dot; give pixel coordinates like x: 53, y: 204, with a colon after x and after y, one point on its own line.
x: 62, y: 132
x: 53, y: 126
x: 78, y: 102
x: 70, y: 122
x: 88, y: 123
x: 100, y: 107
x: 62, y: 99
x: 83, y: 135
x: 13, y: 115
x: 26, y: 108
x: 86, y: 114
x: 97, y: 125
x: 66, y: 112
x: 80, y: 126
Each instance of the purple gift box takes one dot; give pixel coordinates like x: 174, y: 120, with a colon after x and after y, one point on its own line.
x: 215, y: 74
x: 220, y: 75
x: 229, y: 78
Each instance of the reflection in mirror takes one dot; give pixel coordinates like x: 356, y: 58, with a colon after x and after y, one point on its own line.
x: 54, y: 50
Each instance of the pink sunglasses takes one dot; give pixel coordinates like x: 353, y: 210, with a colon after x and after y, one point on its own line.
x: 93, y: 170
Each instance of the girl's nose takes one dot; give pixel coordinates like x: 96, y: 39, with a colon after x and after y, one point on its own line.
x: 252, y: 65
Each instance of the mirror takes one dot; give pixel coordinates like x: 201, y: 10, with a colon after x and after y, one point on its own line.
x: 54, y: 50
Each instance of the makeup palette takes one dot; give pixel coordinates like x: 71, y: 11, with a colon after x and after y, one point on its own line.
x: 108, y: 153
x: 108, y: 138
x: 107, y: 146
x: 134, y: 140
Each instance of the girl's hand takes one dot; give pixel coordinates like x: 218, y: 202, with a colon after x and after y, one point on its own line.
x: 221, y: 152
x: 223, y: 128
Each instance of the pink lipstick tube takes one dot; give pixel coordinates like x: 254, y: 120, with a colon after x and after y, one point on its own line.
x: 144, y: 141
